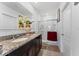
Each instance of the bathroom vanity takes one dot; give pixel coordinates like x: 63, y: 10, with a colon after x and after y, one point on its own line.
x: 23, y: 46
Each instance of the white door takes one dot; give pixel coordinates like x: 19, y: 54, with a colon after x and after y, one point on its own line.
x: 60, y: 35
x: 67, y: 30
x: 75, y: 29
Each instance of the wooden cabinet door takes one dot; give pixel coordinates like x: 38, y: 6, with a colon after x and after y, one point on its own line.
x: 31, y: 48
x: 17, y: 52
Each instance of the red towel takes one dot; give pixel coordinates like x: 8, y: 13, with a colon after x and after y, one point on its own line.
x: 52, y: 36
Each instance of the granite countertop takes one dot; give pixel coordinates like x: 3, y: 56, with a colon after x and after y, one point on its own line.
x: 9, y: 46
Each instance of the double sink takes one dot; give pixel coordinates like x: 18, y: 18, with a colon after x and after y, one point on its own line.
x: 19, y: 39
x: 14, y: 43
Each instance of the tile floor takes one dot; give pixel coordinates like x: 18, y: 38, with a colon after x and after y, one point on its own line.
x: 49, y: 50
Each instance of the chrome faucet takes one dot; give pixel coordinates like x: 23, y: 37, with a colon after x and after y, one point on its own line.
x: 13, y: 37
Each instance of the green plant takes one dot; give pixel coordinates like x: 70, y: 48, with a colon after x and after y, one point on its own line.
x: 28, y: 22
x: 21, y: 23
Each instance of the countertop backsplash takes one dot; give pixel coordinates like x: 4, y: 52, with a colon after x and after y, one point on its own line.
x: 5, y: 32
x: 7, y: 37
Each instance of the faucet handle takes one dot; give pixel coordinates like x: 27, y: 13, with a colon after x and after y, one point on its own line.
x: 13, y: 37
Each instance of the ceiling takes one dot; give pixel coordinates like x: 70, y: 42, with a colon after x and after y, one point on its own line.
x: 46, y: 7
x: 18, y: 7
x: 43, y: 8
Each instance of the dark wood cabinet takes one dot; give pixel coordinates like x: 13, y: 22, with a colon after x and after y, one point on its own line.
x: 36, y: 46
x: 31, y: 48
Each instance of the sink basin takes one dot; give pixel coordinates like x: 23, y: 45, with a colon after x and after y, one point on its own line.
x: 20, y: 39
